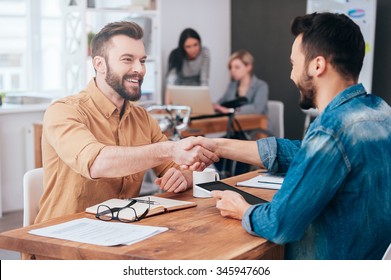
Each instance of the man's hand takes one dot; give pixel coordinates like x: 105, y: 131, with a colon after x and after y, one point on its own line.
x: 195, y: 153
x: 172, y: 181
x: 230, y: 204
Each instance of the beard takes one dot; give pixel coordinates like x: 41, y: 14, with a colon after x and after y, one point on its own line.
x: 118, y: 84
x: 307, y: 91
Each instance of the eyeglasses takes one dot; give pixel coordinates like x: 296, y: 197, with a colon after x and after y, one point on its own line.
x: 126, y: 214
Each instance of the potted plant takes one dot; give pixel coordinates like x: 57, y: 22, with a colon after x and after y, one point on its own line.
x: 2, y: 97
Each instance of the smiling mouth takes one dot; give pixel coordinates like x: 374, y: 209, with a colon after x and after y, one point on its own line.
x: 132, y: 80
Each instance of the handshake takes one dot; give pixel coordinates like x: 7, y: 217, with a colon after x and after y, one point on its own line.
x: 195, y: 153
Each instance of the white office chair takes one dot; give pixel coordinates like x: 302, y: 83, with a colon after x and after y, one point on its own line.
x: 276, y: 117
x: 387, y: 254
x: 32, y: 192
x: 309, y: 114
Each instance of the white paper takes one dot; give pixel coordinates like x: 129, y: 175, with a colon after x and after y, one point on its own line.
x: 264, y: 181
x: 99, y: 232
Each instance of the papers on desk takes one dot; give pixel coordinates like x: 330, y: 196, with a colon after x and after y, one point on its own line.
x: 265, y: 181
x: 99, y: 232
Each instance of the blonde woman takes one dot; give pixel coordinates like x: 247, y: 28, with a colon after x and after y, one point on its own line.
x: 244, y: 84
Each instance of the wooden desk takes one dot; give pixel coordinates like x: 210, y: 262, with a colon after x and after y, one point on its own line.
x: 219, y: 124
x: 195, y: 233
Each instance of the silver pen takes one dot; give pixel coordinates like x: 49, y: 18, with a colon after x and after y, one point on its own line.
x: 265, y: 182
x: 144, y: 201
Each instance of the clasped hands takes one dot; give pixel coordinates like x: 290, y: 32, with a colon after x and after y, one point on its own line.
x: 192, y: 154
x: 195, y: 153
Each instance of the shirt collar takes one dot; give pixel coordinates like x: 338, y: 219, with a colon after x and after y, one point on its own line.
x: 102, y: 102
x: 346, y: 95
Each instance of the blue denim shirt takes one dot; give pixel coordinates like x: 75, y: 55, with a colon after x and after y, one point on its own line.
x: 335, y: 202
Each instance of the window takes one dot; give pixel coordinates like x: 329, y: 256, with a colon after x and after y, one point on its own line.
x: 51, y: 45
x: 13, y: 49
x: 30, y: 52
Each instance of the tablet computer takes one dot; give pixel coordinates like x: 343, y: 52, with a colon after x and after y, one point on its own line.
x: 221, y: 186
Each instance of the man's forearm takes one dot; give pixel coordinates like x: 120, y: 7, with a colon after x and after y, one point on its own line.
x: 116, y: 161
x: 239, y: 150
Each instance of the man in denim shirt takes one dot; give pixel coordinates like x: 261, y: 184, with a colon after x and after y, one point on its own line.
x: 335, y: 202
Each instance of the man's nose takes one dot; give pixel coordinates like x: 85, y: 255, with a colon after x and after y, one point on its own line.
x: 138, y: 67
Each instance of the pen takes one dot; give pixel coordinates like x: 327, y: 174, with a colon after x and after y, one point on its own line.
x: 144, y: 201
x: 265, y: 182
x: 272, y: 174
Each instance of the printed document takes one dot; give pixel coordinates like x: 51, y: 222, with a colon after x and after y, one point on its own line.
x: 99, y: 232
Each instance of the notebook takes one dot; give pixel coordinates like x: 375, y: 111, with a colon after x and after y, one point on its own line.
x: 161, y: 205
x: 221, y: 186
x: 196, y: 97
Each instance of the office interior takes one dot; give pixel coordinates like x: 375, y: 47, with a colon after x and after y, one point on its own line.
x: 260, y: 26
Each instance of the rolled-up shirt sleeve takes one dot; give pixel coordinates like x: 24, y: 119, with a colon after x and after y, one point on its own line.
x: 277, y: 154
x: 246, y: 221
x: 70, y: 137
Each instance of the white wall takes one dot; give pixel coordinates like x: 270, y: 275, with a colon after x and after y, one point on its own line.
x: 212, y: 20
x: 16, y: 151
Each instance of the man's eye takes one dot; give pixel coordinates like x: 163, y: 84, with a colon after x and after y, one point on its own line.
x: 142, y: 61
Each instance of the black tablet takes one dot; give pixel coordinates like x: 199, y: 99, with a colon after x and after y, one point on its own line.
x: 221, y: 186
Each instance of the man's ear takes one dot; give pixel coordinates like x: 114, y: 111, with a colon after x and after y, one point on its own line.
x: 317, y: 66
x: 99, y: 64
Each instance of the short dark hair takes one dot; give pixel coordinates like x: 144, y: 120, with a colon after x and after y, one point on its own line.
x: 100, y: 40
x: 334, y: 36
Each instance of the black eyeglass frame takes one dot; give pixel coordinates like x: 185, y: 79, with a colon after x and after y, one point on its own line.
x: 115, y: 212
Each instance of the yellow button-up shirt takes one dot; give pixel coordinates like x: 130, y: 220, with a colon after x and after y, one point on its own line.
x: 75, y: 129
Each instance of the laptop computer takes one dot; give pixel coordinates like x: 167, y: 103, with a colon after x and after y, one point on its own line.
x: 196, y: 97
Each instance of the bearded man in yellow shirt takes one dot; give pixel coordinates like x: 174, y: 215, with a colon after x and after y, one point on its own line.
x: 97, y: 144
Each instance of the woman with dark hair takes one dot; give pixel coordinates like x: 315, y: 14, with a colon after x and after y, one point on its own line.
x: 188, y: 64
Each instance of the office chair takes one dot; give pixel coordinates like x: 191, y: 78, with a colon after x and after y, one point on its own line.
x: 276, y: 118
x: 309, y: 114
x: 387, y: 254
x: 32, y: 192
x: 172, y: 119
x: 276, y: 128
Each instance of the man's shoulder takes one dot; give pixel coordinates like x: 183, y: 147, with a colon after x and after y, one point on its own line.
x: 75, y: 99
x: 67, y: 104
x: 354, y: 116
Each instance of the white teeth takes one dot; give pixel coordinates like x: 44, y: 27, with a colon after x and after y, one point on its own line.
x: 132, y: 80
